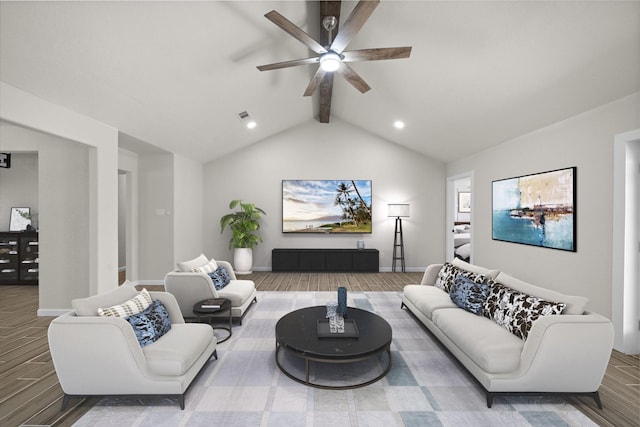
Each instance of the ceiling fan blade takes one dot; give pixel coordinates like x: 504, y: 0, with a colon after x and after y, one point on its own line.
x: 326, y: 90
x: 315, y: 81
x: 353, y: 24
x: 354, y: 78
x: 377, y: 54
x: 286, y: 64
x: 295, y: 31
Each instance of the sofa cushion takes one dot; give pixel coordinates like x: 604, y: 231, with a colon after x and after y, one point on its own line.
x: 238, y: 291
x: 469, y: 295
x: 492, y: 348
x: 178, y: 349
x: 427, y: 299
x: 151, y: 324
x: 575, y: 304
x: 448, y: 274
x: 220, y: 277
x: 516, y: 311
x: 193, y: 263
x: 208, y: 268
x: 463, y: 265
x: 135, y: 305
x: 89, y: 306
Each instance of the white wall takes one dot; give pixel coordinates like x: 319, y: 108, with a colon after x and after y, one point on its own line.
x: 155, y: 220
x: 187, y: 209
x: 585, y: 141
x: 63, y: 216
x: 336, y: 151
x: 19, y: 187
x: 22, y: 108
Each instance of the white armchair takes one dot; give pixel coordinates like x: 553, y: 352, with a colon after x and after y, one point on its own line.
x: 99, y: 356
x: 191, y: 287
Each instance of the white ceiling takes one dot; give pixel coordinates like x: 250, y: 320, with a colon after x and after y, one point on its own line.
x: 176, y: 74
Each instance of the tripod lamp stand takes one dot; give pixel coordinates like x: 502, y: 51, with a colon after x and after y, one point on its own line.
x: 398, y: 211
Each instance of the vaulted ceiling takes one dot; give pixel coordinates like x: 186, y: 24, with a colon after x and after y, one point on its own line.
x: 176, y: 74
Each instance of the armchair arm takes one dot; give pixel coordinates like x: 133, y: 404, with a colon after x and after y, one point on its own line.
x: 188, y: 288
x: 169, y: 301
x: 227, y: 266
x: 95, y: 355
x: 431, y: 274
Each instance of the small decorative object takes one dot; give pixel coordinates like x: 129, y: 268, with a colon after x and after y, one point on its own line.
x: 20, y: 218
x: 342, y: 301
x: 360, y: 244
x: 332, y: 306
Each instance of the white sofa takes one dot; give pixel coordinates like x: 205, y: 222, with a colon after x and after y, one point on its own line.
x: 191, y: 287
x: 99, y: 356
x: 563, y: 354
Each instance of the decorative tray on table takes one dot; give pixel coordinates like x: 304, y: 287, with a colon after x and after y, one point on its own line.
x: 350, y: 329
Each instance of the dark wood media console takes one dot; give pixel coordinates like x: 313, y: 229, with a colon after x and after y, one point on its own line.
x: 357, y: 260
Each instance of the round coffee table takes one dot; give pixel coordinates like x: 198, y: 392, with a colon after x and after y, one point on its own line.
x: 209, y: 308
x: 297, y: 333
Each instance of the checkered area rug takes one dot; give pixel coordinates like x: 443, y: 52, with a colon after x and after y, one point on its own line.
x: 245, y: 388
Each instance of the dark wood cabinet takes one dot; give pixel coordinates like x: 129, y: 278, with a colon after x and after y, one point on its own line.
x: 19, y: 258
x: 335, y: 260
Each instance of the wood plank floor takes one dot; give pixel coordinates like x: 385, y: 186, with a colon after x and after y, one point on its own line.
x: 31, y: 394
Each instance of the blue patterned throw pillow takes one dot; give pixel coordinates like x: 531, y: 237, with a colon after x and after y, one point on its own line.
x: 151, y: 324
x: 220, y: 277
x: 469, y: 295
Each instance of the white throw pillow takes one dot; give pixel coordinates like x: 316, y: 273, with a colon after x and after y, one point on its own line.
x: 209, y: 267
x: 135, y: 305
x: 191, y: 264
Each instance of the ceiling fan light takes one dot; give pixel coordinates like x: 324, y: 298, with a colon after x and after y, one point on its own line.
x: 330, y: 61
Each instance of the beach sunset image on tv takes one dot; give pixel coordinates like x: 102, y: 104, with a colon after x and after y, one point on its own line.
x: 326, y: 206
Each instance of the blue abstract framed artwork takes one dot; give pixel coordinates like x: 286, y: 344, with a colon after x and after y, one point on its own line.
x: 537, y: 209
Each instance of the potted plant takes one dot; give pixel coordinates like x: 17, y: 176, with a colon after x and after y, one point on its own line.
x: 245, y: 226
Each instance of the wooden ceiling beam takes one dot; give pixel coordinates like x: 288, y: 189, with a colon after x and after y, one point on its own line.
x: 327, y: 8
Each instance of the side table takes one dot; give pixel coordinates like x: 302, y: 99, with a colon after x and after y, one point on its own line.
x: 210, y: 307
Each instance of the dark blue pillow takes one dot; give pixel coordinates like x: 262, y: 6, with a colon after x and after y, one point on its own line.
x: 469, y: 295
x: 151, y: 324
x: 220, y: 277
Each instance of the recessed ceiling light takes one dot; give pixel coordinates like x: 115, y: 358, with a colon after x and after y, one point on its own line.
x: 398, y: 124
x: 251, y: 124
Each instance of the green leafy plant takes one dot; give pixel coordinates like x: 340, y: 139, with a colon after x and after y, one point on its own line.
x: 244, y: 225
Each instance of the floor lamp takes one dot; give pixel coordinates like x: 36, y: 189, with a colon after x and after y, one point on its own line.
x: 398, y: 211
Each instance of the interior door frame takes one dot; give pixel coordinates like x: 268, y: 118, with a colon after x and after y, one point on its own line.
x: 625, y: 298
x: 450, y: 209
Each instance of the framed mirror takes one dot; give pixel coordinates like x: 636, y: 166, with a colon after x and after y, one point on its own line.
x: 20, y: 219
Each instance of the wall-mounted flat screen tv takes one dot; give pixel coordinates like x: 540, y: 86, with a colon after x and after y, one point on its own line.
x: 326, y: 206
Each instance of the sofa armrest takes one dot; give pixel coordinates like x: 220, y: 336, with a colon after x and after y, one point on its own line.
x: 572, y: 349
x: 431, y: 274
x: 94, y: 355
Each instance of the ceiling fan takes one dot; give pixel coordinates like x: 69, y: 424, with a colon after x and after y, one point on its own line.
x: 332, y: 56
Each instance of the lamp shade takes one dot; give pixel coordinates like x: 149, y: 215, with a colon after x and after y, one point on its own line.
x: 397, y: 210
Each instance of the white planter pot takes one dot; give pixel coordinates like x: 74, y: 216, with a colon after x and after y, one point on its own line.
x: 242, y: 260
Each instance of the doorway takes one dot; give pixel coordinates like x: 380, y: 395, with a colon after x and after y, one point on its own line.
x: 459, y: 217
x: 625, y: 308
